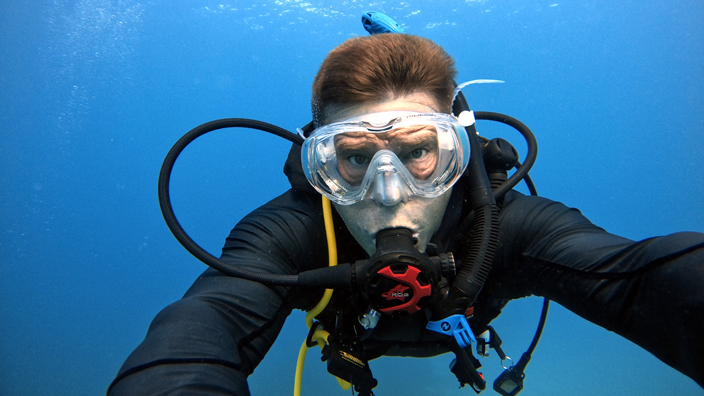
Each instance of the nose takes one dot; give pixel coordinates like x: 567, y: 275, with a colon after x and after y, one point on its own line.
x: 387, y: 189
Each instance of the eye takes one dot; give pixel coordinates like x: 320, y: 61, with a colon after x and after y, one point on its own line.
x: 357, y: 159
x: 419, y: 153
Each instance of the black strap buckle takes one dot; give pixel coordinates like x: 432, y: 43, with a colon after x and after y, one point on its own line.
x: 349, y: 365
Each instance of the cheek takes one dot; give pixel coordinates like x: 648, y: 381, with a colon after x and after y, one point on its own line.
x: 351, y: 173
x: 422, y: 170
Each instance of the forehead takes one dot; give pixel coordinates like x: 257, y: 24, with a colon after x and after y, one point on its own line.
x: 418, y: 102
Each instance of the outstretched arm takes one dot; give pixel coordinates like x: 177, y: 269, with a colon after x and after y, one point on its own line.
x: 213, y: 338
x: 649, y: 291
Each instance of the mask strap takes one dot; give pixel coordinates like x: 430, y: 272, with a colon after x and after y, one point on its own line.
x: 464, y: 84
x: 306, y: 130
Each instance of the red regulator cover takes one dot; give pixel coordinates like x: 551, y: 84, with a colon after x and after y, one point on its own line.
x: 400, y: 289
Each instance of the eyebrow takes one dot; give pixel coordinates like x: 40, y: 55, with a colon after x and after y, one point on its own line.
x: 417, y: 135
x: 411, y: 136
x: 356, y: 141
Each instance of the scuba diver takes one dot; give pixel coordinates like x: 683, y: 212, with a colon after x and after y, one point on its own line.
x: 424, y: 243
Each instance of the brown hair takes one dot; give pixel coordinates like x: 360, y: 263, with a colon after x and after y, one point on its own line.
x: 382, y: 67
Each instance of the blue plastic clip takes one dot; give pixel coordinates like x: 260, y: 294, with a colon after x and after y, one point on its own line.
x: 456, y: 326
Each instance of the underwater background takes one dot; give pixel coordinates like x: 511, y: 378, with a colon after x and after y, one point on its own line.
x: 93, y: 93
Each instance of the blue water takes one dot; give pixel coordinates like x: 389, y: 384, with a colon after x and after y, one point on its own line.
x: 94, y: 93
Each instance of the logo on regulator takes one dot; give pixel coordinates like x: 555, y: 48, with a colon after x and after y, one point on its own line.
x: 397, y: 293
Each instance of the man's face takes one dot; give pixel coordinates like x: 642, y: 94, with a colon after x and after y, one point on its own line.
x: 416, y: 148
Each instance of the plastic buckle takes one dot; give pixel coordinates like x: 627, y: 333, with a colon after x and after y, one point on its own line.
x: 345, y: 364
x: 455, y: 326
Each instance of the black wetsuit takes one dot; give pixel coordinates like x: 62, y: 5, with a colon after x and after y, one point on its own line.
x: 650, y: 292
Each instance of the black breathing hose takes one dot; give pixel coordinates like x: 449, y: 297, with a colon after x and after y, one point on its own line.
x: 478, y: 253
x: 522, y: 169
x: 170, y: 217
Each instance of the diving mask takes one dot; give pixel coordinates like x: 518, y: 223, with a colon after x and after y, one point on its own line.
x: 388, y: 156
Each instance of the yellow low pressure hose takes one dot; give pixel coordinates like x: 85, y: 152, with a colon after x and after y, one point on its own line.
x: 320, y: 336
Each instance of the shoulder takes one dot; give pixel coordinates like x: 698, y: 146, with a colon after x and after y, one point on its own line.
x: 290, y: 209
x: 538, y: 215
x: 537, y: 226
x: 286, y: 231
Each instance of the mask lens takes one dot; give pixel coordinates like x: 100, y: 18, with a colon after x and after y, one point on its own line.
x: 418, y: 154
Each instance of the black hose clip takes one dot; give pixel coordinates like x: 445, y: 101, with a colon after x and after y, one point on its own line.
x: 309, y: 340
x: 465, y: 366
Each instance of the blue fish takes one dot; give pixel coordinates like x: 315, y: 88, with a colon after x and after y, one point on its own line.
x: 376, y: 22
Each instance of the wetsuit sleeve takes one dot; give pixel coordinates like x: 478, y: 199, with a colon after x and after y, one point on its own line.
x: 649, y: 292
x: 213, y: 338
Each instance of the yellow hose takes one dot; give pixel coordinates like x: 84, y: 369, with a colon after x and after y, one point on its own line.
x: 320, y: 336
